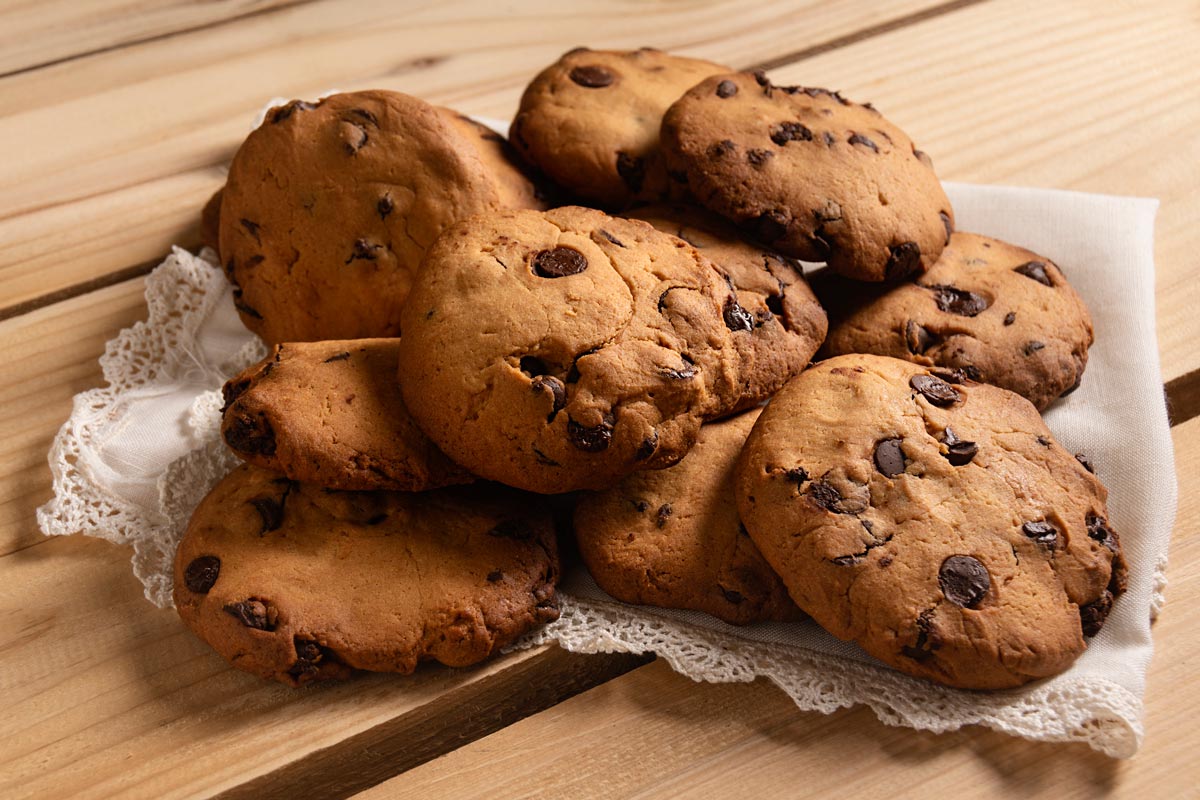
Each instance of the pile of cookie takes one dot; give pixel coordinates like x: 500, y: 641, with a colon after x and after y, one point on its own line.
x: 481, y: 345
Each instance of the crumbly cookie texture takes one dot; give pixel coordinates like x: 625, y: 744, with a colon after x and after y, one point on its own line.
x: 672, y: 537
x: 1002, y: 314
x: 788, y: 322
x: 330, y: 206
x: 590, y: 121
x: 331, y: 413
x: 564, y: 349
x: 933, y: 520
x: 297, y: 583
x: 809, y: 173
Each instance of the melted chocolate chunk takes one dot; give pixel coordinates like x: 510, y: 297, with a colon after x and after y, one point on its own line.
x: 253, y: 228
x: 385, y: 206
x: 647, y: 447
x: 935, y: 390
x: 280, y: 114
x: 726, y: 88
x: 1086, y: 462
x: 858, y: 138
x: 253, y: 614
x: 592, y: 76
x: 252, y: 434
x: 918, y: 338
x: 494, y: 576
x: 1033, y: 347
x: 758, y: 158
x: 786, y: 132
x: 1093, y: 615
x: 769, y: 226
x: 632, y: 170
x: 903, y: 259
x: 559, y: 262
x: 1041, y: 532
x: 1035, y: 270
x: 662, y: 515
x: 959, y: 452
x: 797, y: 475
x: 363, y: 251
x: 1097, y: 528
x: 731, y: 595
x: 1010, y: 318
x: 270, y: 511
x: 889, y: 457
x: 591, y: 440
x: 721, y: 149
x: 558, y: 391
x: 201, y: 574
x: 736, y: 318
x: 958, y: 301
x: 964, y: 580
x: 928, y: 639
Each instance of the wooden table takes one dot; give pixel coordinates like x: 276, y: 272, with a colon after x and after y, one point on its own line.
x: 115, y: 122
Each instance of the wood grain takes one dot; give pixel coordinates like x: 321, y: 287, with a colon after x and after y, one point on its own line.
x: 163, y: 117
x: 655, y: 733
x: 35, y: 33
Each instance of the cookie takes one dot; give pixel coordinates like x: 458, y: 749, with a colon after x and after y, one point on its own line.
x: 590, y: 121
x: 564, y: 349
x: 330, y: 206
x: 517, y: 189
x: 296, y: 583
x: 933, y: 520
x: 331, y: 413
x: 672, y: 537
x: 789, y: 323
x: 809, y: 173
x: 1000, y: 313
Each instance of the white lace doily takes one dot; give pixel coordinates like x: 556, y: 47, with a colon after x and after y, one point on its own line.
x: 137, y: 455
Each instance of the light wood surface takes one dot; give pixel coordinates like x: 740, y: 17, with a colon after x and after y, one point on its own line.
x: 121, y: 116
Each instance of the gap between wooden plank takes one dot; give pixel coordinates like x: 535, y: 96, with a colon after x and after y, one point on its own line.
x: 453, y: 720
x: 156, y: 37
x: 78, y: 289
x: 864, y: 34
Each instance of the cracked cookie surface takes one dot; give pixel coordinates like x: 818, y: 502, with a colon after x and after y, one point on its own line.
x: 809, y: 173
x: 590, y: 121
x: 297, y: 583
x: 330, y: 206
x: 564, y: 349
x: 933, y: 520
x: 1001, y: 313
x: 331, y: 413
x: 672, y: 537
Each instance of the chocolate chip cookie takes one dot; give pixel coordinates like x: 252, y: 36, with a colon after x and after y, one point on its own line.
x: 672, y: 537
x: 1000, y: 313
x: 933, y: 520
x: 331, y: 413
x: 590, y: 121
x: 564, y: 349
x: 330, y: 206
x: 787, y: 320
x: 297, y: 583
x: 809, y: 173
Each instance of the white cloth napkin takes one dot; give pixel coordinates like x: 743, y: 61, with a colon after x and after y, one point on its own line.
x: 137, y: 455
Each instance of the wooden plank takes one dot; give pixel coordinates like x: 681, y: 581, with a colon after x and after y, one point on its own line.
x: 106, y: 696
x: 39, y: 32
x: 655, y: 733
x: 162, y: 116
x: 1098, y: 97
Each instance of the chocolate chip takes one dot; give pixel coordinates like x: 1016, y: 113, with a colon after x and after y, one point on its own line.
x: 726, y: 88
x: 918, y: 338
x: 494, y: 576
x: 544, y: 459
x: 515, y: 529
x: 1035, y: 270
x: 1097, y: 528
x: 1010, y: 318
x: 786, y: 132
x: 928, y: 638
x: 847, y: 561
x: 923, y: 157
x: 775, y: 304
x: 573, y: 372
x: 591, y: 440
x: 1043, y: 441
x: 559, y: 262
x: 958, y: 301
x: 903, y: 259
x: 385, y: 206
x: 830, y: 139
x: 889, y: 457
x: 769, y: 226
x: 250, y: 433
x: 533, y: 366
x: 611, y: 238
x: 1033, y: 347
x: 364, y: 114
x: 721, y: 149
x: 964, y: 580
x: 731, y: 595
x: 1093, y: 615
x: 736, y: 318
x: 797, y: 475
x: 830, y: 499
x: 685, y: 372
x: 592, y: 76
x: 647, y: 447
x: 253, y: 228
x: 558, y: 391
x: 935, y: 390
x: 1041, y: 532
x: 632, y: 170
x: 280, y: 114
x: 245, y: 308
x: 958, y: 375
x: 662, y: 515
x: 959, y: 452
x: 308, y: 655
x: 201, y: 574
x: 363, y: 251
x: 270, y: 511
x: 232, y: 390
x: 947, y: 224
x: 758, y: 158
x: 858, y: 138
x: 1086, y: 462
x: 641, y: 506
x: 253, y: 614
x: 342, y: 356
